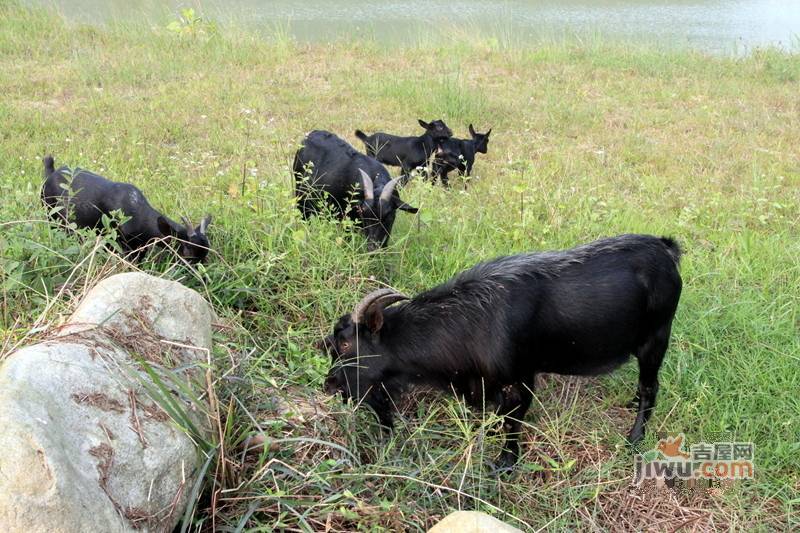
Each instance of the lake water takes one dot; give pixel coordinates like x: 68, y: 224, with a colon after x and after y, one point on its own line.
x: 720, y: 26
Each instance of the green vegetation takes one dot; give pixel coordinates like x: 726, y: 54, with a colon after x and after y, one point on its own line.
x: 590, y: 140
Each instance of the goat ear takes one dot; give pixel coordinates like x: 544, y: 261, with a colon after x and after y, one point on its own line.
x: 401, y: 205
x: 203, y: 227
x: 374, y: 318
x: 488, y: 133
x: 165, y: 227
x: 423, y: 123
x: 471, y: 130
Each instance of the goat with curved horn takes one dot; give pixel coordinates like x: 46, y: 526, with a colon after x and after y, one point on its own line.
x: 336, y: 170
x: 447, y: 338
x: 144, y: 226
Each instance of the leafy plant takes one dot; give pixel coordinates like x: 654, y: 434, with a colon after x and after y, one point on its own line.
x: 191, y: 24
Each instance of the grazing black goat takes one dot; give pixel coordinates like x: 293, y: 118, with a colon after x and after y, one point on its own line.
x: 328, y: 169
x: 84, y: 197
x: 487, y: 332
x: 406, y: 152
x: 459, y: 154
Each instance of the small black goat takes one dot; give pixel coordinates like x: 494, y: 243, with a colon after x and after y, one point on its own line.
x: 459, y: 154
x: 406, y: 152
x: 489, y: 331
x: 84, y: 197
x: 328, y: 169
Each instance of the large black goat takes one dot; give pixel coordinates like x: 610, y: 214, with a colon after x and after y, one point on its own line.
x: 487, y: 332
x: 406, y: 152
x: 84, y: 197
x: 354, y: 185
x: 459, y: 154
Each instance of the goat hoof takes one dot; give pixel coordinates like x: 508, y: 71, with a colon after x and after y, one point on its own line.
x: 633, y: 404
x: 505, y: 463
x: 634, y: 439
x: 501, y: 471
x: 501, y: 468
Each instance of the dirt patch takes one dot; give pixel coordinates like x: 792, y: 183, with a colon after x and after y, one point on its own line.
x: 654, y: 508
x: 136, y: 426
x: 137, y: 517
x: 45, y: 467
x: 138, y: 338
x: 105, y: 453
x: 135, y: 336
x: 99, y: 401
x: 109, y: 434
x: 154, y: 412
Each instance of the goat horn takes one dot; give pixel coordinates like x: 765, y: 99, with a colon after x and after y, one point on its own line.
x: 189, y: 227
x: 384, y: 297
x: 369, y: 189
x: 204, y: 223
x: 388, y: 189
x: 389, y: 299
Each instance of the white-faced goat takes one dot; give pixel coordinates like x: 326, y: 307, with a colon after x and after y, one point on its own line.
x: 84, y: 197
x: 487, y: 332
x: 328, y: 170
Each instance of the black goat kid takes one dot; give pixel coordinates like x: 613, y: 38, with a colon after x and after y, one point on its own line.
x: 459, y: 154
x: 490, y: 330
x: 406, y: 152
x: 84, y: 197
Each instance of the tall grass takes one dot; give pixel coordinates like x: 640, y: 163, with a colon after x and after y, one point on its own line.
x: 589, y: 140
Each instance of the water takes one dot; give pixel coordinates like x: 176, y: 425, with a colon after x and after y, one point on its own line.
x: 720, y: 26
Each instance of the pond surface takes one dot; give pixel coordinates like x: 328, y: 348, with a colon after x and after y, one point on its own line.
x: 720, y: 26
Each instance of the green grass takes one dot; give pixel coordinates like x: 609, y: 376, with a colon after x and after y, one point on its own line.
x: 589, y: 140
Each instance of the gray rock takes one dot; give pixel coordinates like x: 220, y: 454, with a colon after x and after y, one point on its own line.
x: 471, y: 522
x: 84, y: 447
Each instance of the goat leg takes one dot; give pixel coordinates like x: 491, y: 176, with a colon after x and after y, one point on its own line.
x: 381, y: 403
x: 516, y: 400
x: 650, y: 356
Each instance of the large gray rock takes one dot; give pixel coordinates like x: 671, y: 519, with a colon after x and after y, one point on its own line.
x: 471, y: 522
x: 82, y: 445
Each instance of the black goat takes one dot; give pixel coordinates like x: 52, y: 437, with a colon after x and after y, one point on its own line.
x: 84, y: 197
x: 459, y: 154
x: 487, y: 332
x: 353, y: 184
x: 406, y: 152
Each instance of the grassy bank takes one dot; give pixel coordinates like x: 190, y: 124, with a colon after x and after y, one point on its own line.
x: 588, y: 141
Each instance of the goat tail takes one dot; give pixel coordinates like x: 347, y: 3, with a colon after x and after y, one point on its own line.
x: 361, y: 135
x: 49, y: 165
x: 673, y: 249
x: 297, y: 166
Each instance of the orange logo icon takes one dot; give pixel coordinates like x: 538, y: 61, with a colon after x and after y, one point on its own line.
x: 671, y: 447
